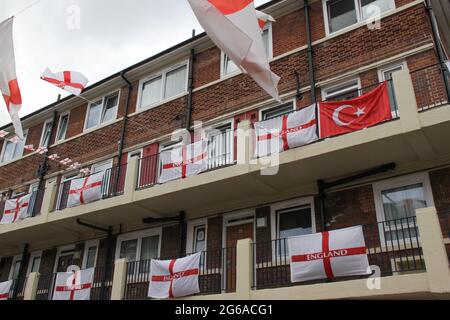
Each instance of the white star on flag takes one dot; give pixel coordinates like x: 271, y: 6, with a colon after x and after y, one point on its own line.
x: 360, y: 111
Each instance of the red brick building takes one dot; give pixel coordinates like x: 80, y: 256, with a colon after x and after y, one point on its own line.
x: 377, y: 177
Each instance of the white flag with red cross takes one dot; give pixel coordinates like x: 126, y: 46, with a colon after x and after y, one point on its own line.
x: 234, y: 27
x: 75, y: 285
x: 9, y: 86
x: 184, y: 161
x: 85, y: 190
x: 5, y: 288
x: 175, y: 278
x: 71, y: 81
x: 286, y: 132
x: 337, y: 253
x: 16, y: 209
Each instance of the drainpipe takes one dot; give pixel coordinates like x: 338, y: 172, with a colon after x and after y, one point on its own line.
x: 108, y: 256
x: 439, y: 50
x: 21, y: 271
x: 190, y: 90
x: 122, y: 134
x: 312, y: 81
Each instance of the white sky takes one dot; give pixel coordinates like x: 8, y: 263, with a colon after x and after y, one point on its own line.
x: 113, y: 35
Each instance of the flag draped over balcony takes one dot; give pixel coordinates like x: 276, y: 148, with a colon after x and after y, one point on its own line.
x: 337, y: 253
x: 85, y: 190
x: 234, y: 27
x: 75, y: 285
x: 5, y: 288
x: 175, y: 278
x: 16, y: 209
x: 286, y: 132
x: 9, y: 85
x: 71, y: 81
x: 351, y: 115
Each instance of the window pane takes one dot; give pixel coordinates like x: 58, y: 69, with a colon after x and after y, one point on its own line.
x: 9, y: 151
x: 278, y: 111
x: 368, y: 5
x: 62, y: 130
x: 128, y: 250
x: 200, y: 239
x: 402, y: 202
x: 295, y: 222
x: 95, y: 112
x: 345, y: 92
x: 151, y: 92
x: 229, y: 66
x: 110, y: 111
x: 35, y: 264
x: 91, y: 255
x: 176, y: 82
x: 16, y: 270
x: 341, y: 14
x: 20, y: 145
x: 46, y: 135
x: 219, y: 146
x: 265, y: 37
x: 149, y: 248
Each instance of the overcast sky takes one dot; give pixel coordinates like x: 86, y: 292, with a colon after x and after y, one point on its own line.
x: 113, y: 35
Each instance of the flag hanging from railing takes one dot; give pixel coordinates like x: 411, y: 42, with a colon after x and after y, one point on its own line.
x: 85, y: 190
x: 71, y: 81
x: 74, y: 285
x: 356, y: 114
x: 234, y: 27
x: 9, y: 85
x: 286, y: 132
x: 337, y: 253
x: 5, y: 288
x: 183, y: 161
x: 175, y: 278
x: 16, y: 209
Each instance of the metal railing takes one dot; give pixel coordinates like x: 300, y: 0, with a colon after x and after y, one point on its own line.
x: 35, y: 205
x: 217, y: 274
x: 444, y: 219
x: 429, y: 87
x: 393, y: 246
x: 17, y: 291
x: 219, y: 153
x: 113, y: 185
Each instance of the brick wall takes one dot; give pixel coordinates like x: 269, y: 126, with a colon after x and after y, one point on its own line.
x: 170, y: 242
x: 440, y: 184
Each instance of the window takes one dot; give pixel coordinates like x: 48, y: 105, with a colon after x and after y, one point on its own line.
x: 139, y: 246
x: 102, y: 111
x: 35, y: 262
x: 63, y: 192
x: 13, y: 151
x: 101, y: 166
x: 62, y: 127
x: 345, y: 91
x: 199, y: 244
x: 396, y: 204
x: 168, y: 84
x: 46, y: 134
x: 15, y: 268
x: 229, y: 67
x: 386, y: 74
x: 90, y: 254
x: 128, y: 250
x: 149, y: 248
x: 220, y: 146
x: 340, y: 14
x: 277, y: 111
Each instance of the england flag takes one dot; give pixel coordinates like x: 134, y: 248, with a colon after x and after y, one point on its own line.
x: 16, y: 209
x: 71, y: 81
x: 74, y: 285
x: 85, y: 190
x: 5, y: 288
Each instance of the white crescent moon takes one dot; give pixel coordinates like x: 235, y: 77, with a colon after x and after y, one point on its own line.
x: 336, y: 116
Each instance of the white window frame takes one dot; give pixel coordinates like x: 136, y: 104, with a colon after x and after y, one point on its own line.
x: 139, y: 235
x: 36, y: 254
x: 378, y: 187
x: 61, y: 252
x: 65, y: 178
x: 262, y: 110
x: 344, y: 87
x: 223, y: 74
x: 5, y: 142
x: 359, y: 19
x: 41, y: 141
x: 16, y: 259
x: 190, y: 237
x: 59, y: 126
x: 103, y: 99
x: 108, y: 163
x: 390, y: 67
x: 163, y: 75
x: 87, y: 245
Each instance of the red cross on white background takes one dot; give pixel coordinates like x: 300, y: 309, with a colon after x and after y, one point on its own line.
x: 74, y: 287
x: 4, y: 295
x: 326, y: 255
x: 173, y: 276
x: 85, y: 187
x: 67, y: 81
x: 17, y: 209
x: 184, y: 162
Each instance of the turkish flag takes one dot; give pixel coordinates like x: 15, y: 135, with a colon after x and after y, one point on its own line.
x: 356, y: 114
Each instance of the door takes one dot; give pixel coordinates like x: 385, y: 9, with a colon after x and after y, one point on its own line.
x: 234, y: 234
x: 64, y: 262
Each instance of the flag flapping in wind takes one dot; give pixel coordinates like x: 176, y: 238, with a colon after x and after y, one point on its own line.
x: 233, y: 26
x: 9, y: 86
x: 71, y: 81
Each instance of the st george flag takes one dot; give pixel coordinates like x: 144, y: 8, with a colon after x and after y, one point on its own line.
x: 71, y: 81
x: 174, y: 278
x: 286, y: 132
x: 9, y: 86
x: 234, y: 27
x: 337, y: 253
x: 182, y: 162
x: 16, y: 209
x: 5, y: 288
x: 85, y: 190
x: 356, y: 114
x: 74, y: 285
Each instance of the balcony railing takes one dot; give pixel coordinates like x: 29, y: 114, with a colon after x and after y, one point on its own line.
x: 17, y: 290
x: 393, y: 246
x: 35, y: 205
x: 444, y: 219
x: 217, y: 274
x: 219, y: 154
x: 101, y: 288
x: 113, y: 185
x: 429, y: 87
